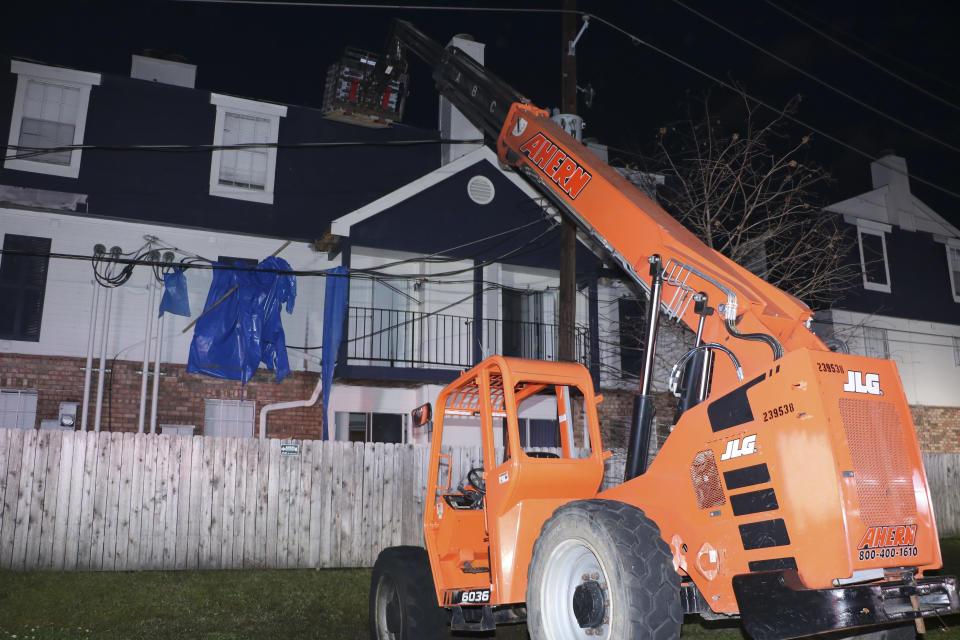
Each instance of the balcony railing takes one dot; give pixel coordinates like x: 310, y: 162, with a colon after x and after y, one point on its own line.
x: 417, y: 339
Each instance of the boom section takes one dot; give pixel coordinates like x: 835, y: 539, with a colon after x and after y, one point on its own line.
x: 757, y: 322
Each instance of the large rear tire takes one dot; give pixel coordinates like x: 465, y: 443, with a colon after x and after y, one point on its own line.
x: 600, y: 570
x: 403, y: 599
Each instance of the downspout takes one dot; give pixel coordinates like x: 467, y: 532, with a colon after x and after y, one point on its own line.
x: 293, y: 404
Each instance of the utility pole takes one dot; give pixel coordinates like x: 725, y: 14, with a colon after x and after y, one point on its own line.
x: 566, y: 343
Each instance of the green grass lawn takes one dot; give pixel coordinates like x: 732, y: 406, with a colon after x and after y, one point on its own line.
x: 221, y: 605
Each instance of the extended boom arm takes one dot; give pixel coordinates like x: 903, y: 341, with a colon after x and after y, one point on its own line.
x: 756, y: 321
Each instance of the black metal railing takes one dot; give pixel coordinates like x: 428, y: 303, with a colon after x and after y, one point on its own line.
x: 418, y: 339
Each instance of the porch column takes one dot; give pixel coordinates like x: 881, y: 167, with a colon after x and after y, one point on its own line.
x: 594, y: 313
x: 477, y: 337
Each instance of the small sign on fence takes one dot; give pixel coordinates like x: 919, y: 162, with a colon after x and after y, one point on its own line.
x: 289, y: 449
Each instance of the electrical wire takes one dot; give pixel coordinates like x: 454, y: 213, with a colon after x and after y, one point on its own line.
x: 886, y: 53
x: 614, y: 27
x: 766, y: 105
x: 810, y: 76
x: 31, y: 152
x: 862, y: 57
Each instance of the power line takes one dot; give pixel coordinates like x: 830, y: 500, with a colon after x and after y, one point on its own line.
x: 616, y: 28
x: 29, y: 152
x: 885, y: 53
x: 818, y: 80
x: 414, y: 7
x: 862, y: 57
x: 765, y: 104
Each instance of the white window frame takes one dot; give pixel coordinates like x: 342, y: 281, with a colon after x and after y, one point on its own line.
x: 219, y: 404
x: 954, y: 245
x: 881, y: 336
x: 80, y: 80
x: 875, y: 229
x: 253, y: 109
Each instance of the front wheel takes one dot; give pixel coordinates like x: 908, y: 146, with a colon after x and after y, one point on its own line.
x: 403, y: 600
x: 600, y: 569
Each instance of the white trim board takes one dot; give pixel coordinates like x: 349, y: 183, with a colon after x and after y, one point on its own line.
x: 341, y: 226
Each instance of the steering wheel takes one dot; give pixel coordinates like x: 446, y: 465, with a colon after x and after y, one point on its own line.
x: 475, y: 478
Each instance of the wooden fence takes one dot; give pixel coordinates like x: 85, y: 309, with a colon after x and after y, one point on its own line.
x: 943, y: 474
x: 112, y: 501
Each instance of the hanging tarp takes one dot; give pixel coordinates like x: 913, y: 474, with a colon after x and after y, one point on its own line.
x: 175, y: 298
x: 232, y: 338
x: 334, y: 312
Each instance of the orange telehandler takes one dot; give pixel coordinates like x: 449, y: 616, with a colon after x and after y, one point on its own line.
x: 791, y: 492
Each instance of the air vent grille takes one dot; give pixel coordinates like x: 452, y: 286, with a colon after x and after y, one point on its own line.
x: 481, y: 189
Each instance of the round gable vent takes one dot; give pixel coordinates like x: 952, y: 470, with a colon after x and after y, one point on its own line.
x: 480, y: 189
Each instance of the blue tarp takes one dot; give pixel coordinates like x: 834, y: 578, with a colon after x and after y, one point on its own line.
x: 175, y: 298
x: 234, y: 337
x: 334, y: 312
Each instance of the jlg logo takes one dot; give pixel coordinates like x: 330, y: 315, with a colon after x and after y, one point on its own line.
x: 737, y: 448
x: 857, y: 382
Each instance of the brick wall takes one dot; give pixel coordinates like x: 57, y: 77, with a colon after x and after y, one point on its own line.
x: 180, y: 400
x: 615, y: 414
x: 182, y: 396
x: 938, y: 428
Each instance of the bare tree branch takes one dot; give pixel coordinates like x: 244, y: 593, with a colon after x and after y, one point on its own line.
x: 750, y: 193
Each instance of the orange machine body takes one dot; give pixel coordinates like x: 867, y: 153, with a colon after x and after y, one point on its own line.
x: 811, y: 464
x: 797, y: 458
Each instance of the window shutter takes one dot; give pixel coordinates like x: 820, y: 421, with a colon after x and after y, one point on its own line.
x: 23, y: 282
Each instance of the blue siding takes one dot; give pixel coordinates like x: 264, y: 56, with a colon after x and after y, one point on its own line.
x: 919, y: 282
x: 443, y: 216
x: 313, y: 186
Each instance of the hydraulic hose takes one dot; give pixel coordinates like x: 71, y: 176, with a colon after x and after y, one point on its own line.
x: 756, y: 337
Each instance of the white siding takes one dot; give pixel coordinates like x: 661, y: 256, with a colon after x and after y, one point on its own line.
x: 66, y: 311
x: 923, y: 351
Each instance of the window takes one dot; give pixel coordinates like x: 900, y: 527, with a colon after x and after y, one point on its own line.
x: 956, y: 351
x: 369, y: 427
x: 953, y: 266
x: 229, y: 418
x: 245, y: 173
x: 873, y: 256
x: 23, y: 282
x: 524, y: 333
x: 18, y: 409
x: 875, y: 343
x: 633, y: 322
x: 49, y: 112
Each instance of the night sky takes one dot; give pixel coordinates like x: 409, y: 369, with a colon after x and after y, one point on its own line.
x: 281, y: 53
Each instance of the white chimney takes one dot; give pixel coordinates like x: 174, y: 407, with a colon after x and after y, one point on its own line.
x: 453, y: 124
x: 164, y: 71
x: 891, y: 171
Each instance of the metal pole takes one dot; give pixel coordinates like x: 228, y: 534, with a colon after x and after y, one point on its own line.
x: 103, y: 359
x: 145, y: 373
x: 91, y: 338
x: 653, y: 319
x: 156, y: 377
x: 638, y: 447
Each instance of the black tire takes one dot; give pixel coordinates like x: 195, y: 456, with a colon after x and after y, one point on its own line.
x: 635, y: 591
x: 403, y: 599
